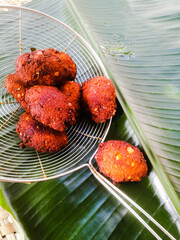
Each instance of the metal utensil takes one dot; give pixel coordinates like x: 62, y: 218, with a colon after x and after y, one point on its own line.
x: 21, y: 30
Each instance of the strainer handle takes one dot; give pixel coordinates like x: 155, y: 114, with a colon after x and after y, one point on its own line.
x: 121, y: 197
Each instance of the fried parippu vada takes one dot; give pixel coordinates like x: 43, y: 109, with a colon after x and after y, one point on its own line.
x: 45, y: 67
x: 16, y: 89
x: 50, y: 106
x: 99, y: 98
x: 73, y: 91
x: 121, y: 161
x: 39, y: 137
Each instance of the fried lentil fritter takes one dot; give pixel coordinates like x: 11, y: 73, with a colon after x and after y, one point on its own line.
x: 45, y: 67
x: 121, y: 161
x: 99, y: 98
x: 50, y: 106
x: 73, y: 91
x: 16, y: 88
x: 39, y: 137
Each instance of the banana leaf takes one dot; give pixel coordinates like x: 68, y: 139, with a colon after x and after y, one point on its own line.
x: 138, y: 42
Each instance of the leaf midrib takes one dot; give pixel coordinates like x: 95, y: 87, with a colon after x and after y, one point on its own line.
x: 135, y: 125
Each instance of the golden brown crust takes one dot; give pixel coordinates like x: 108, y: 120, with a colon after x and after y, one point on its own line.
x: 121, y: 161
x: 16, y: 89
x: 99, y: 98
x: 50, y: 106
x: 45, y: 67
x: 39, y: 137
x: 73, y: 91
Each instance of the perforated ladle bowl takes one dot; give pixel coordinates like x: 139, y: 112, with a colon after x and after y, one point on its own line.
x: 22, y: 29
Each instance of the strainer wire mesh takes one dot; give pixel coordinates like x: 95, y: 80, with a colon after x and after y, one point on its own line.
x: 22, y: 29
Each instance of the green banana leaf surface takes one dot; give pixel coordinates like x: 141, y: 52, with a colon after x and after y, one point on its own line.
x: 139, y: 44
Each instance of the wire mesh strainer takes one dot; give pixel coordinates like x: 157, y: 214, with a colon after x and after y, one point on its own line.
x: 22, y: 29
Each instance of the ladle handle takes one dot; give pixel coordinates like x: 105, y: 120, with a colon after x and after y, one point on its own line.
x: 121, y: 197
